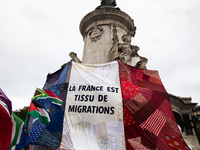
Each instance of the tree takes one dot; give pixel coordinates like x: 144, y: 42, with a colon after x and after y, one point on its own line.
x: 21, y: 113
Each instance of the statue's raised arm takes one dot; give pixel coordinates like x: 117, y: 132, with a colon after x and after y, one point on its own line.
x: 108, y: 3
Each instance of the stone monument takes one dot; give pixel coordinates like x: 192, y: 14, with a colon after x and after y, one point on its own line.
x: 107, y: 33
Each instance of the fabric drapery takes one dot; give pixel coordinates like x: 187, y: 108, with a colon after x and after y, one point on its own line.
x: 148, y: 116
x: 93, y: 114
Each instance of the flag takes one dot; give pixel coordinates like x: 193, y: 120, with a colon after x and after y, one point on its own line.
x: 46, y: 96
x: 6, y: 101
x: 35, y: 132
x: 50, y: 137
x: 16, y: 131
x: 10, y: 124
x: 37, y: 111
x: 23, y: 142
x: 54, y: 98
x: 5, y: 127
x: 41, y: 134
x: 56, y: 82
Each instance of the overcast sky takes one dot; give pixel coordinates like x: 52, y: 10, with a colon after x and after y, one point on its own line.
x: 36, y: 37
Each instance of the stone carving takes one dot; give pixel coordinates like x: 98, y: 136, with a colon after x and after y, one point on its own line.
x: 108, y: 3
x: 95, y: 33
x: 125, y: 52
x: 74, y: 57
x: 115, y: 36
x: 113, y: 53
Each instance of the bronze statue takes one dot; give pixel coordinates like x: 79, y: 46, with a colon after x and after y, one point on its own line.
x: 108, y: 3
x: 111, y: 3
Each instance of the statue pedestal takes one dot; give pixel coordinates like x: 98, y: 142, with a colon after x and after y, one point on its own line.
x: 97, y: 31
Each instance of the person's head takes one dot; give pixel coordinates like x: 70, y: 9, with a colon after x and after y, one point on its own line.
x: 126, y: 39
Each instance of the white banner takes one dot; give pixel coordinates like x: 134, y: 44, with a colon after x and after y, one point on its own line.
x: 93, y: 115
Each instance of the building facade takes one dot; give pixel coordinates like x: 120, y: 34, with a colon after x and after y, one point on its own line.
x: 196, y: 121
x: 182, y: 108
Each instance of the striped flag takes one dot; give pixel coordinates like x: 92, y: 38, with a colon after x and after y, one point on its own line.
x: 47, y: 96
x: 37, y: 111
x: 16, y: 131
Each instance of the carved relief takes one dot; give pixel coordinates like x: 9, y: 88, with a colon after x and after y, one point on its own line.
x: 113, y: 53
x: 125, y: 52
x: 115, y: 36
x: 95, y: 33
